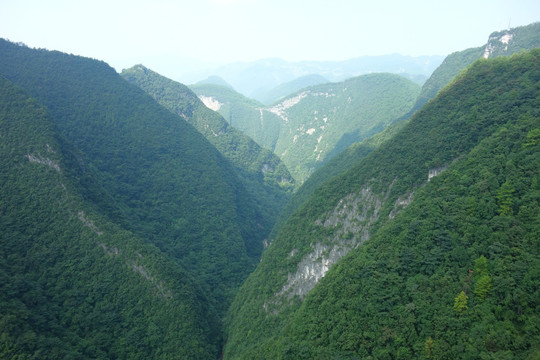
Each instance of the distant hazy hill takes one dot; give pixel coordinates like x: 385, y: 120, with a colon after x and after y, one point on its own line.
x: 500, y: 43
x: 426, y: 248
x: 263, y: 75
x: 214, y: 80
x: 262, y: 172
x: 273, y: 95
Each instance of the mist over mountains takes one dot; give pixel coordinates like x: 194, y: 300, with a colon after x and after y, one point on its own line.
x: 255, y: 79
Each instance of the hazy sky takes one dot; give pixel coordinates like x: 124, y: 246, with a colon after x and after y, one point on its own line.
x: 167, y: 33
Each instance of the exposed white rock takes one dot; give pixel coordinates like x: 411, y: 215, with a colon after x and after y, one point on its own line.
x: 490, y: 47
x: 505, y: 39
x: 44, y: 161
x: 280, y: 108
x: 401, y: 203
x: 435, y: 171
x: 210, y: 102
x: 352, y: 218
x: 310, y: 131
x: 163, y: 292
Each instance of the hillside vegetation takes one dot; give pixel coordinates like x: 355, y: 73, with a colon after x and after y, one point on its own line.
x: 500, y: 43
x: 155, y: 176
x: 309, y: 127
x: 437, y: 231
x: 263, y: 174
x: 73, y: 284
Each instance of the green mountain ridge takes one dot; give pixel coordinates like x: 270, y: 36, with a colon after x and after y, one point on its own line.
x: 311, y: 126
x: 156, y: 176
x: 277, y: 93
x: 403, y: 226
x: 133, y: 214
x: 519, y: 39
x: 241, y: 112
x: 74, y: 284
x: 500, y: 43
x: 264, y: 176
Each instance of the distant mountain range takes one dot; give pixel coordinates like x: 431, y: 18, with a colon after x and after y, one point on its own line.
x: 256, y: 79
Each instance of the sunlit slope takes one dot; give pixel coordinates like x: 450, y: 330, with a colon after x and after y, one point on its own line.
x: 373, y: 265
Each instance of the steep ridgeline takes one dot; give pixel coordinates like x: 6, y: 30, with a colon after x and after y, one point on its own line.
x: 241, y: 112
x: 500, y: 43
x: 262, y: 172
x: 428, y: 248
x: 319, y: 122
x: 166, y: 182
x: 72, y: 283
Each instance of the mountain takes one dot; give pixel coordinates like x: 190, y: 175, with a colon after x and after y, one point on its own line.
x: 311, y: 126
x: 524, y: 38
x: 74, y: 284
x: 263, y: 174
x: 279, y: 92
x: 241, y: 112
x: 319, y: 122
x: 250, y: 78
x: 213, y: 80
x: 427, y: 248
x: 157, y: 176
x: 500, y: 43
x: 334, y: 167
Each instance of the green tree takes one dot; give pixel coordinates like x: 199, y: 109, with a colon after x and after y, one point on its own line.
x: 480, y: 266
x: 482, y: 287
x: 460, y: 302
x: 504, y: 198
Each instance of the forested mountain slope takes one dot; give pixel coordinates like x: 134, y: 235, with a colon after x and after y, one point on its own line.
x: 428, y: 248
x: 164, y: 180
x: 334, y: 167
x: 311, y: 126
x: 262, y: 172
x: 319, y: 122
x: 503, y: 43
x: 241, y: 112
x: 500, y: 43
x: 72, y: 283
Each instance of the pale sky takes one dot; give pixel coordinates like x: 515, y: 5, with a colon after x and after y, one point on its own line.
x: 182, y: 33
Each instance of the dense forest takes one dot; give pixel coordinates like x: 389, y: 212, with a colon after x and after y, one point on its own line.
x: 370, y: 218
x: 74, y: 284
x: 263, y: 174
x: 455, y: 190
x: 148, y: 171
